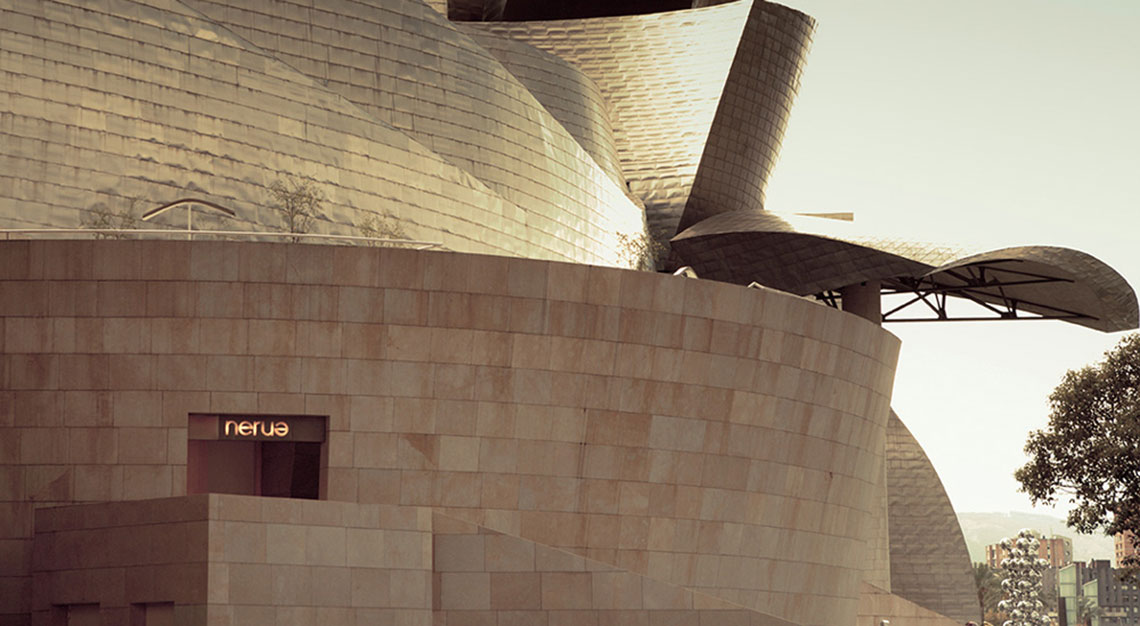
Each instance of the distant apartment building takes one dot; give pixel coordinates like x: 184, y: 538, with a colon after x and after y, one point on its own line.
x: 1125, y: 547
x: 1116, y: 603
x: 1057, y: 550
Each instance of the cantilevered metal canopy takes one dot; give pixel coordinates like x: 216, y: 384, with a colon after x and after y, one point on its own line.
x: 813, y: 256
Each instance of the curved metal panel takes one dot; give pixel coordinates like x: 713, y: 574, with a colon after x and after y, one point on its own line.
x: 810, y: 255
x: 566, y: 92
x: 930, y: 564
x: 746, y: 246
x: 744, y: 140
x: 1087, y: 285
x: 197, y: 108
x: 405, y: 65
x: 701, y: 97
x: 663, y: 75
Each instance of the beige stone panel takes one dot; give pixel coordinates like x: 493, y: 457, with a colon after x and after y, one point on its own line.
x: 370, y: 414
x: 465, y: 591
x: 92, y: 446
x: 141, y: 482
x: 22, y: 334
x: 876, y: 605
x: 408, y: 343
x: 459, y: 553
x: 558, y: 587
x: 515, y: 591
x: 34, y: 408
x: 219, y: 300
x: 129, y: 371
x: 244, y: 542
x: 293, y: 585
x: 332, y: 587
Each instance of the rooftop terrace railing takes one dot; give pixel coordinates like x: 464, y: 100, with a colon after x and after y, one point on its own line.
x: 8, y: 234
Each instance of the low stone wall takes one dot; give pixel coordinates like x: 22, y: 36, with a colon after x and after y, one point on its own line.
x: 224, y: 559
x: 876, y: 605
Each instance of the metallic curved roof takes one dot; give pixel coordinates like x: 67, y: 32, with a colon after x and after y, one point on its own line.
x: 805, y: 255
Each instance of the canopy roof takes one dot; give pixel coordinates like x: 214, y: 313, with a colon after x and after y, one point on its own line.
x: 813, y: 256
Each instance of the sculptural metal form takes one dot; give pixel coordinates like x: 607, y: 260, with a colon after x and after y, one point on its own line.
x: 1022, y: 583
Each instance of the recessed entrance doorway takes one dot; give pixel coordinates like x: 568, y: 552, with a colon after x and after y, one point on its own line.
x: 258, y: 455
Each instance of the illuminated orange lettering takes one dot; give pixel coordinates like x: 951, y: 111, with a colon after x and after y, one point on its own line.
x: 254, y: 428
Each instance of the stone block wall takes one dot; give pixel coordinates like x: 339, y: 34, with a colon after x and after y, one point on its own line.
x: 113, y: 559
x: 225, y: 559
x: 281, y: 561
x: 718, y: 438
x: 482, y: 576
x: 876, y: 605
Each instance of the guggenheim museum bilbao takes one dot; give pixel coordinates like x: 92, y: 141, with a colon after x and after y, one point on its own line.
x: 498, y: 415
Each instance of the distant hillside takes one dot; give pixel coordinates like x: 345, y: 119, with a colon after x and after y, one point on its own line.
x: 982, y: 529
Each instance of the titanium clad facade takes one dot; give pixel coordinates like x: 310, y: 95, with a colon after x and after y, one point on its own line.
x: 127, y: 110
x: 929, y: 562
x: 688, y: 89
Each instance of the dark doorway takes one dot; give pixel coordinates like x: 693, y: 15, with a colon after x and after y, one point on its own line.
x: 291, y: 469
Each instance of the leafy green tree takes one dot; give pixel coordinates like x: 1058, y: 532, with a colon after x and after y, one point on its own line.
x: 988, y: 585
x: 1090, y: 451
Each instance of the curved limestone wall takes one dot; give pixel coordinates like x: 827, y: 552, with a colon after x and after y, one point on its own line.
x: 718, y: 438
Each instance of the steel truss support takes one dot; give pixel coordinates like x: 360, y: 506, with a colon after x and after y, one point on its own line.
x: 983, y: 284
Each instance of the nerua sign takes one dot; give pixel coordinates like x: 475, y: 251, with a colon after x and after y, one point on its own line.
x: 297, y: 428
x: 254, y: 429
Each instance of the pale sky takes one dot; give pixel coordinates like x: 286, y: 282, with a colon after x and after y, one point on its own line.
x: 993, y: 121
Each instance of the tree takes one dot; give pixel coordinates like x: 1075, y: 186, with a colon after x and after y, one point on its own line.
x: 640, y: 251
x: 102, y: 218
x: 988, y: 586
x: 299, y: 202
x: 384, y: 226
x: 1090, y: 450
